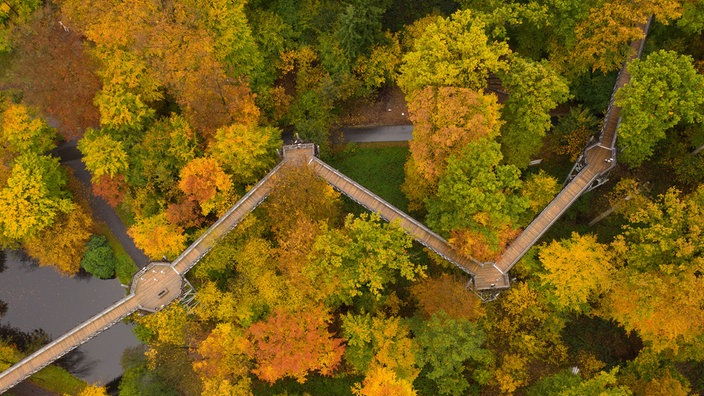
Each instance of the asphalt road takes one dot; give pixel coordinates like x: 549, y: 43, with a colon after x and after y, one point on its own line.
x: 387, y: 133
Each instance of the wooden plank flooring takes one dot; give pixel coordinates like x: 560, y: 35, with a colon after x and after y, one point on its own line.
x: 545, y: 219
x: 599, y: 160
x: 227, y: 222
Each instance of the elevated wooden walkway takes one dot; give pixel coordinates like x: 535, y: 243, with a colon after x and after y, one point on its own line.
x: 161, y: 283
x: 152, y: 288
x: 67, y: 342
x: 590, y: 171
x: 192, y: 255
x: 158, y: 284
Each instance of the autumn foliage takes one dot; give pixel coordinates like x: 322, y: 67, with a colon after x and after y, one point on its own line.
x: 181, y: 106
x: 56, y: 72
x: 293, y: 344
x: 111, y: 189
x: 204, y: 181
x: 157, y: 237
x: 448, y: 294
x: 382, y: 381
x: 446, y: 119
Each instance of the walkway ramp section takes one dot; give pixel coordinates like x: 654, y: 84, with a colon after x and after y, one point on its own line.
x: 482, y: 273
x: 613, y: 113
x: 599, y: 158
x: 225, y: 223
x: 556, y: 208
x: 67, y: 342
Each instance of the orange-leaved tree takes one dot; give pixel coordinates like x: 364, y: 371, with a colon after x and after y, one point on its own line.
x: 63, y: 243
x: 603, y: 37
x: 300, y: 194
x: 203, y: 180
x: 449, y: 294
x: 444, y: 120
x: 291, y: 344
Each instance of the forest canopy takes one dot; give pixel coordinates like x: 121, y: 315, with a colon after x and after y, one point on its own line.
x: 178, y: 107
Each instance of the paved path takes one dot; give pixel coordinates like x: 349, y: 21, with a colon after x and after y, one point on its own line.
x: 71, y: 157
x: 384, y: 133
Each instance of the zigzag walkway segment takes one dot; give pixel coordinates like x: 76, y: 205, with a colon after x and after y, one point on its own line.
x: 159, y: 284
x: 590, y: 171
x: 481, y: 273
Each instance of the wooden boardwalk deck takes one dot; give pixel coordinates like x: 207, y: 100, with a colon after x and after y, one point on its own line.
x: 599, y: 159
x: 224, y: 224
x: 545, y: 219
x: 294, y: 155
x: 160, y: 283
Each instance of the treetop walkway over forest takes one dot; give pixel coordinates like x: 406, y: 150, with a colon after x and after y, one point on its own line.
x: 161, y: 283
x: 590, y: 171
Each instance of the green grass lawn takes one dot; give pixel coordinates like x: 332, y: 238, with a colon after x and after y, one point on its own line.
x: 57, y: 380
x: 378, y: 167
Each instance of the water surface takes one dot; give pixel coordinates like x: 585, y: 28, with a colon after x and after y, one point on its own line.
x: 40, y: 298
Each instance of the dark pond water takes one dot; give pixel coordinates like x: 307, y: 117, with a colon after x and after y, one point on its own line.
x: 40, y: 298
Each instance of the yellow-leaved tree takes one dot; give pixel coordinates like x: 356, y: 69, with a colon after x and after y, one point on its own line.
x: 22, y: 131
x: 94, y: 390
x: 157, y: 237
x: 454, y: 52
x: 223, y: 359
x: 63, y: 243
x: 33, y: 197
x: 578, y: 270
x: 444, y: 120
x: 247, y: 152
x: 103, y: 154
x: 382, y: 381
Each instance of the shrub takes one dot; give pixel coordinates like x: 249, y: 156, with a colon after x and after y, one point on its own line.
x: 99, y: 259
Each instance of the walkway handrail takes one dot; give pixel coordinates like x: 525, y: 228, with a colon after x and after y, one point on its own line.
x: 377, y: 198
x: 545, y: 210
x: 596, y: 170
x: 622, y: 79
